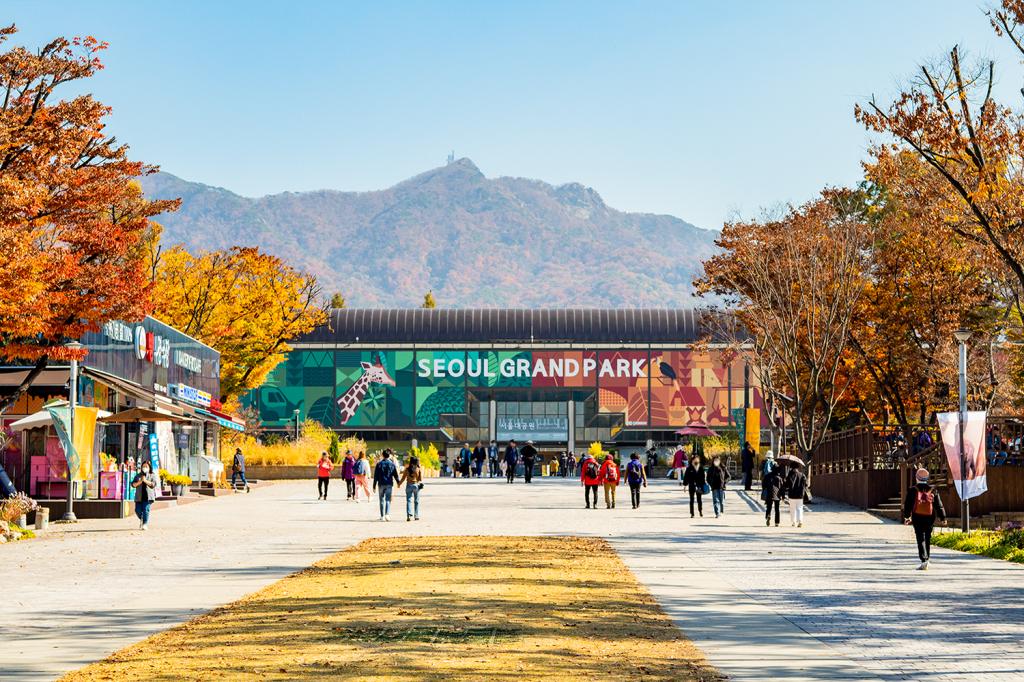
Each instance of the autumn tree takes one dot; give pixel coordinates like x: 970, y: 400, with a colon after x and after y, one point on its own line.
x: 922, y: 285
x: 337, y: 300
x: 793, y: 282
x: 428, y: 300
x: 245, y: 303
x: 72, y: 217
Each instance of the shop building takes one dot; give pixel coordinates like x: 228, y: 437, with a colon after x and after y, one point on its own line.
x: 146, y: 368
x: 562, y: 378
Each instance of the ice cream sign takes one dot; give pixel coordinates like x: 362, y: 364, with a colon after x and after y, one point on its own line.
x: 521, y: 368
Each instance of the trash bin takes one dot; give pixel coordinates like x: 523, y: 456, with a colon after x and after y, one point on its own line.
x: 42, y: 518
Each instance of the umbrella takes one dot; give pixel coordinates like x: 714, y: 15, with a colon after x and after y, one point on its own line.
x: 790, y: 459
x: 696, y: 430
x: 42, y: 418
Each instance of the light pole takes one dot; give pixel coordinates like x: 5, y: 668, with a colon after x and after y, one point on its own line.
x: 74, y: 347
x: 296, y: 426
x: 962, y: 335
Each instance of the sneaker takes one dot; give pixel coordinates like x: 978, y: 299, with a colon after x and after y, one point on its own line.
x: 588, y: 506
x: 145, y: 526
x: 382, y: 518
x: 923, y: 566
x: 408, y: 518
x: 800, y: 525
x: 776, y: 525
x: 716, y: 516
x: 767, y: 522
x: 142, y: 526
x: 387, y: 517
x: 416, y: 518
x: 701, y: 514
x: 248, y: 490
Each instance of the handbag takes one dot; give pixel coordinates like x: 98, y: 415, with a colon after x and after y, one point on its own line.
x: 706, y: 489
x: 419, y: 486
x: 808, y: 497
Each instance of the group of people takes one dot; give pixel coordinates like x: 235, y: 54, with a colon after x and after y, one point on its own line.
x: 356, y: 472
x: 606, y: 474
x: 783, y: 480
x: 504, y: 462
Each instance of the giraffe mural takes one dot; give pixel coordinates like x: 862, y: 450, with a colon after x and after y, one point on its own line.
x: 350, y: 400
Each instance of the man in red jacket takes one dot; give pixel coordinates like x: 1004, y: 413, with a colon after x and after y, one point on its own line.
x: 610, y: 479
x: 590, y: 477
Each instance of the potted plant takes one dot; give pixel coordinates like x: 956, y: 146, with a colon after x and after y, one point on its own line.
x: 177, y: 482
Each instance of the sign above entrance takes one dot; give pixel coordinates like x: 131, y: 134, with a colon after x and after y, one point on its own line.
x: 524, y: 367
x: 522, y: 429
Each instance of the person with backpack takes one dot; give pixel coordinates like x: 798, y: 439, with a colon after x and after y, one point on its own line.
x: 348, y: 473
x: 747, y: 457
x: 771, y: 491
x: 679, y: 464
x: 590, y: 478
x: 635, y: 477
x: 561, y: 464
x: 385, y: 476
x: 412, y: 476
x: 238, y: 469
x: 361, y: 470
x: 609, y: 479
x: 920, y: 509
x: 511, y: 461
x: 529, y: 456
x: 795, y: 490
x: 570, y: 464
x: 696, y: 481
x: 323, y: 475
x: 718, y: 477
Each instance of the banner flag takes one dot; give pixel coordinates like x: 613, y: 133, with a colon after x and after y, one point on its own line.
x: 753, y: 427
x: 85, y: 430
x: 974, y: 483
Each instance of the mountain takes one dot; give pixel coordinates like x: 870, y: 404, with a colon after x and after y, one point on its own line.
x: 475, y: 241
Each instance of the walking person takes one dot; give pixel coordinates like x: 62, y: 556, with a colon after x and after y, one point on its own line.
x: 385, y: 476
x: 561, y: 464
x: 412, y: 476
x: 555, y: 466
x: 529, y: 456
x: 348, y: 473
x: 696, y: 481
x: 609, y: 479
x: 718, y: 477
x: 635, y: 477
x: 920, y: 509
x: 361, y: 470
x: 795, y: 490
x: 747, y: 457
x: 145, y: 492
x: 492, y: 459
x: 679, y: 464
x: 511, y: 461
x: 479, y: 457
x: 323, y: 475
x: 570, y: 462
x: 238, y: 468
x: 465, y: 456
x: 771, y: 489
x: 590, y: 478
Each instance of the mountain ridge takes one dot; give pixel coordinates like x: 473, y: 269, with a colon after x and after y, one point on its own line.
x: 474, y: 241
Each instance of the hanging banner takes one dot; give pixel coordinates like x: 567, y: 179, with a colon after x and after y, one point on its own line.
x: 753, y: 428
x: 973, y: 482
x: 85, y: 431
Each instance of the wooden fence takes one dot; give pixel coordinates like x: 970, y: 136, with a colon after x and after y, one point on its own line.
x: 855, y: 467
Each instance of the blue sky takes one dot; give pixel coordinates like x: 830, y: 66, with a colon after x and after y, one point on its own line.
x: 704, y: 110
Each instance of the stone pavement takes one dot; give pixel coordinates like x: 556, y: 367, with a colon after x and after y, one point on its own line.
x: 838, y: 599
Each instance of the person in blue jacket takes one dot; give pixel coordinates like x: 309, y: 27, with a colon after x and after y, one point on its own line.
x: 511, y: 461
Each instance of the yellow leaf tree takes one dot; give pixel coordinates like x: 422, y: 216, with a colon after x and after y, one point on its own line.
x: 244, y: 303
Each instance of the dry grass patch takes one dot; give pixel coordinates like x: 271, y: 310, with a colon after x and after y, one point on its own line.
x: 438, y: 608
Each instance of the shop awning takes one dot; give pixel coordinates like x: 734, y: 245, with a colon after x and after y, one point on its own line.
x: 42, y: 418
x: 141, y: 414
x: 13, y: 376
x: 226, y: 423
x: 122, y: 386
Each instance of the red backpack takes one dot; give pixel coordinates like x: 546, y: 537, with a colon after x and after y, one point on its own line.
x: 923, y: 504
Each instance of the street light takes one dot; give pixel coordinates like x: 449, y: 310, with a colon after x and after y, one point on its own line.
x: 73, y: 347
x: 296, y: 426
x: 962, y: 336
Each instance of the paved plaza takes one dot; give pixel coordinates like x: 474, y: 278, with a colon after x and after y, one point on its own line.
x: 838, y: 599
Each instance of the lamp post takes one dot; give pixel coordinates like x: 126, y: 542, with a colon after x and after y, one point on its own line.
x: 296, y: 426
x: 962, y: 335
x: 74, y: 347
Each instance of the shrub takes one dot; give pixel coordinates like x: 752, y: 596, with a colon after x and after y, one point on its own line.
x: 428, y: 455
x: 278, y: 451
x: 334, y: 449
x: 1005, y: 545
x: 13, y: 508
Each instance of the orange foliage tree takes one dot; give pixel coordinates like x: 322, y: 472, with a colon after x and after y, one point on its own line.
x: 244, y: 303
x: 72, y: 218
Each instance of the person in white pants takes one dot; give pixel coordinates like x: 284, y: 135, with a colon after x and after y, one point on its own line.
x: 795, y: 488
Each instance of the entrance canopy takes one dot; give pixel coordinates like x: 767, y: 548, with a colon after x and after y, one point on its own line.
x: 140, y: 414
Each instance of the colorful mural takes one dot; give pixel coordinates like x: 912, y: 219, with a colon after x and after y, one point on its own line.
x: 406, y: 388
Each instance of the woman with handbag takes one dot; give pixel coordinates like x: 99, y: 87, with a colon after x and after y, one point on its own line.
x: 696, y: 481
x: 362, y: 473
x: 412, y: 476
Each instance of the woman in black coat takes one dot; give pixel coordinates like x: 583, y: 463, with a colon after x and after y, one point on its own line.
x: 695, y: 478
x: 772, y: 486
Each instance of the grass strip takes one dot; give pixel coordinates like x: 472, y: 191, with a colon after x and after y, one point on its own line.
x: 1005, y: 545
x: 434, y: 608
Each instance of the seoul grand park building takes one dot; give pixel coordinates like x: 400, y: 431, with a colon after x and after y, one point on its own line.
x: 561, y: 378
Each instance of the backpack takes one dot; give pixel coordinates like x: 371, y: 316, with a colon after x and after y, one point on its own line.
x: 923, y: 504
x: 633, y: 470
x: 612, y: 473
x: 592, y: 469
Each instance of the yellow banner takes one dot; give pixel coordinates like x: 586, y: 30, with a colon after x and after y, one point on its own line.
x: 753, y: 428
x: 85, y: 434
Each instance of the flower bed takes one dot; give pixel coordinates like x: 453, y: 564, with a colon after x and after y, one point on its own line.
x: 1006, y: 543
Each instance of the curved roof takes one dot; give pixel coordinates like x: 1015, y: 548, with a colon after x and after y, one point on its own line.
x: 494, y: 325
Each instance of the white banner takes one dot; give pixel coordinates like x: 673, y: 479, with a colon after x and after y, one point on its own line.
x: 974, y: 483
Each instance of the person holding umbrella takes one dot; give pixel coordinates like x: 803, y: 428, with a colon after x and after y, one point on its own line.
x: 794, y: 489
x: 771, y: 488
